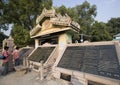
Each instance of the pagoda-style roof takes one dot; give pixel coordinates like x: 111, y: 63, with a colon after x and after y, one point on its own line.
x: 51, y: 22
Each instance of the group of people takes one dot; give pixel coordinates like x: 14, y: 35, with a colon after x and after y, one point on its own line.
x: 6, y: 54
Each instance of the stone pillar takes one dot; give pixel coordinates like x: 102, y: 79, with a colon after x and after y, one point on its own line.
x: 63, y: 40
x: 4, y: 43
x: 36, y: 43
x: 10, y: 44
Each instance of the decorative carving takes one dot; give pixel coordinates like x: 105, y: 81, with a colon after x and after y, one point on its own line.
x: 46, y: 25
x: 35, y: 29
x: 48, y: 13
x: 53, y: 19
x: 45, y: 13
x: 61, y: 20
x: 75, y: 26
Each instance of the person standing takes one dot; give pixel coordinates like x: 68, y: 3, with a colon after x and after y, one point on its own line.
x: 15, y: 55
x: 5, y: 61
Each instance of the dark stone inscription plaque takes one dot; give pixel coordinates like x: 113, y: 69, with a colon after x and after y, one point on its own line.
x: 41, y: 53
x: 99, y: 60
x: 22, y: 52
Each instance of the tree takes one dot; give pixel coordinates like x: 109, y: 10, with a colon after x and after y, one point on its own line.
x: 84, y: 14
x: 113, y: 26
x: 62, y: 10
x: 3, y: 24
x: 23, y: 12
x: 21, y: 36
x: 99, y: 32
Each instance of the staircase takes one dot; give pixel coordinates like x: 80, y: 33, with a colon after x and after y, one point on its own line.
x: 49, y: 63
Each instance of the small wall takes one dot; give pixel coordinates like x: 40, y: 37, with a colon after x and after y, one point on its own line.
x: 78, y: 81
x: 81, y: 78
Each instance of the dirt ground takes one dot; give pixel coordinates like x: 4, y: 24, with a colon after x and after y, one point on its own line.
x: 31, y: 78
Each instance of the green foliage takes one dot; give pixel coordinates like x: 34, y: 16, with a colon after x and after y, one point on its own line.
x: 22, y: 14
x: 113, y: 26
x: 20, y: 35
x: 99, y: 32
x: 84, y: 14
x: 3, y: 24
x: 62, y: 10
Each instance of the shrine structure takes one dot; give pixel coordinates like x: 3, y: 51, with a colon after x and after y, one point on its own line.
x: 96, y: 63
